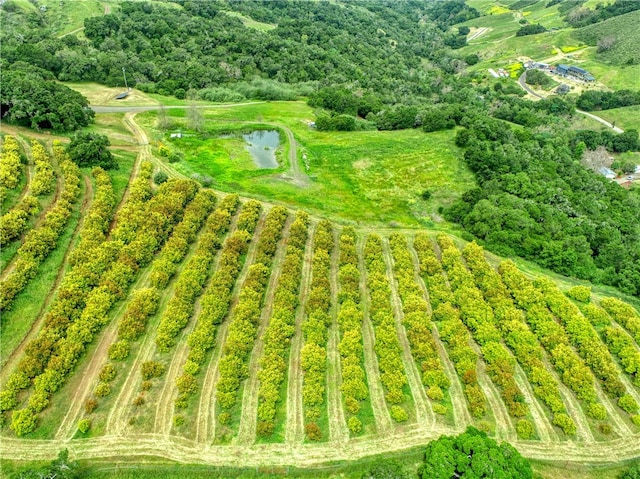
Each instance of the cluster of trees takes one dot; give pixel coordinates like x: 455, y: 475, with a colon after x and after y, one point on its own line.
x: 43, y: 239
x: 417, y: 322
x: 623, y: 314
x: 10, y: 163
x: 517, y: 336
x: 627, y: 141
x: 478, y: 316
x: 277, y: 337
x: 97, y: 219
x: 44, y: 179
x: 581, y: 16
x: 473, y: 454
x: 55, y: 360
x: 452, y: 330
x: 92, y: 149
x: 571, y: 368
x: 216, y: 299
x: 387, y: 346
x: 590, y: 100
x: 191, y: 281
x: 535, y: 200
x: 243, y: 324
x: 30, y: 97
x: 530, y: 29
x: 586, y: 341
x: 350, y: 317
x: 313, y: 356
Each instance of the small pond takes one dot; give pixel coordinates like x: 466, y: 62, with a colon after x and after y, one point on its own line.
x: 262, y: 145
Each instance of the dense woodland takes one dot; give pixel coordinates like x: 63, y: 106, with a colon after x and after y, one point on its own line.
x: 363, y: 65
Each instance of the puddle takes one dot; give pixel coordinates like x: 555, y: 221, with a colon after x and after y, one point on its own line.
x: 262, y: 146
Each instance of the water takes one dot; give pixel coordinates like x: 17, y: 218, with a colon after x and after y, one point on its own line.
x: 262, y: 146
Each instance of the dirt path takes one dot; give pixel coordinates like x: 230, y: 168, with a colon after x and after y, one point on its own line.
x: 91, y: 369
x: 478, y: 33
x: 338, y: 431
x: 205, y: 427
x: 295, y: 409
x: 116, y: 421
x: 424, y: 413
x: 376, y: 392
x: 249, y: 408
x: 10, y: 362
x: 541, y: 421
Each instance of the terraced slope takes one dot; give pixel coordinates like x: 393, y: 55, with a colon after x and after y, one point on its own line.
x: 208, y: 328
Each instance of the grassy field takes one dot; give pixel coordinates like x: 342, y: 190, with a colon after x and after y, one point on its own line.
x: 499, y: 47
x: 365, y: 176
x: 626, y: 117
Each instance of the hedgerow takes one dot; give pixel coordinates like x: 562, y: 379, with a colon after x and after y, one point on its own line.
x: 277, y: 337
x: 44, y: 179
x: 387, y: 345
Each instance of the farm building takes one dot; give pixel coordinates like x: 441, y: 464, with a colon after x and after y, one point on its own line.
x: 580, y: 73
x: 607, y: 172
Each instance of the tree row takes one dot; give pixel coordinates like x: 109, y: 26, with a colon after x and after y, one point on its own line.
x: 387, y: 346
x: 517, y: 336
x: 243, y: 324
x: 452, y: 331
x: 350, y: 322
x: 417, y: 321
x: 216, y: 299
x: 277, y: 337
x: 317, y: 319
x: 43, y: 239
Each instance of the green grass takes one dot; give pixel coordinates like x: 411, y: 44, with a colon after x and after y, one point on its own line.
x: 626, y: 117
x: 66, y: 16
x: 366, y: 176
x: 250, y: 22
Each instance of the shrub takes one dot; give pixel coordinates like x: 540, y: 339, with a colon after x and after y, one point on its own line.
x: 313, y: 432
x: 525, y: 429
x: 178, y: 420
x: 108, y: 373
x: 139, y: 400
x: 596, y: 411
x: 151, y: 369
x: 580, y: 293
x: 627, y: 403
x: 119, y: 351
x: 90, y: 405
x: 160, y: 177
x: 398, y: 414
x: 84, y: 425
x: 355, y: 425
x: 439, y: 409
x: 102, y: 389
x: 23, y: 421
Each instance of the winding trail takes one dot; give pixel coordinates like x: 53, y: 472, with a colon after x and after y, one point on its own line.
x: 527, y: 88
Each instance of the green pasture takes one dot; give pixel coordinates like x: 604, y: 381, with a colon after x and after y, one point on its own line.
x: 627, y: 117
x: 373, y: 177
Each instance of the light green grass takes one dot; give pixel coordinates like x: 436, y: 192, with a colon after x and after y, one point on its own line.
x: 66, y: 16
x: 250, y: 22
x: 626, y: 117
x: 366, y: 176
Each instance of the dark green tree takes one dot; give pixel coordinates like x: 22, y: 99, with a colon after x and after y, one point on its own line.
x: 473, y: 454
x: 91, y: 149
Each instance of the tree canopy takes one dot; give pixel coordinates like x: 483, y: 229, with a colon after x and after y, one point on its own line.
x: 473, y: 455
x: 91, y: 149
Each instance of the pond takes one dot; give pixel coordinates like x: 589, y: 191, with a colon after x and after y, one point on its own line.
x: 262, y: 145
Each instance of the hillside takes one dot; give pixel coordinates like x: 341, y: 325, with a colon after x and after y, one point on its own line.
x: 621, y: 31
x: 310, y: 238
